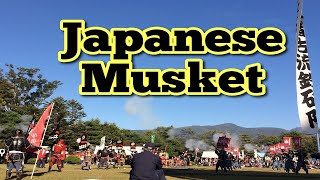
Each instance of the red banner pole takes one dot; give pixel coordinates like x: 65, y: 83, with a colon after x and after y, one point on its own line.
x: 45, y: 130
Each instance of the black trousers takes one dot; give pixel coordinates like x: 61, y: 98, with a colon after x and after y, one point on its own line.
x: 160, y: 175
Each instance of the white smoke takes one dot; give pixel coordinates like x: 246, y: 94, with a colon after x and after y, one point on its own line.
x: 249, y: 147
x: 192, y: 144
x: 216, y: 137
x: 263, y: 149
x: 172, y: 133
x: 24, y: 124
x: 235, y: 140
x: 141, y: 107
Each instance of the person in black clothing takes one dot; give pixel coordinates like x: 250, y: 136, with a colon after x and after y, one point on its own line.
x: 16, y: 146
x: 104, y: 158
x: 302, y: 162
x: 112, y: 159
x: 146, y: 165
x: 222, y: 158
x: 289, y: 164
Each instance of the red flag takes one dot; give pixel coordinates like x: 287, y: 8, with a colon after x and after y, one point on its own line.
x: 36, y: 133
x: 287, y: 141
x: 297, y: 142
x: 272, y: 148
x: 277, y: 149
x: 282, y: 146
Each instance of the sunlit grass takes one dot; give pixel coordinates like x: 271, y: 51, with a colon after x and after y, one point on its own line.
x: 71, y: 172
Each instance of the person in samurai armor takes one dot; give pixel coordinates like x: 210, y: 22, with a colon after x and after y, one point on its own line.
x: 229, y: 161
x: 276, y: 163
x: 42, y: 158
x: 87, y: 159
x: 104, y: 158
x: 122, y: 158
x: 16, y: 146
x: 112, y: 160
x: 63, y: 157
x: 57, y: 155
x: 302, y: 162
x: 289, y: 164
x: 222, y: 157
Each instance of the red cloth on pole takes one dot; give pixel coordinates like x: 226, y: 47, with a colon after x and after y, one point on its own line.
x: 287, y: 141
x: 36, y: 133
x: 297, y: 142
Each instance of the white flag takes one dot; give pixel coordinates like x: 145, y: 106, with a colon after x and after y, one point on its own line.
x: 103, y: 142
x: 305, y: 95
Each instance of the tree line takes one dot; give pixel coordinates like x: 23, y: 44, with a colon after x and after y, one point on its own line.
x: 24, y: 93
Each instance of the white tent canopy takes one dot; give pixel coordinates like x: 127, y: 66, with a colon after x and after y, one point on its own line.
x: 127, y: 149
x: 209, y: 154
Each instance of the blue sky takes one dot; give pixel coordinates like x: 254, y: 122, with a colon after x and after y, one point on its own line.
x: 30, y: 37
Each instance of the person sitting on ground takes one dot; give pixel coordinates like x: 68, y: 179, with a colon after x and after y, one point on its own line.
x: 146, y: 165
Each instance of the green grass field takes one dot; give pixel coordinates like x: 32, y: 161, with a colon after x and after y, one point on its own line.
x: 193, y: 173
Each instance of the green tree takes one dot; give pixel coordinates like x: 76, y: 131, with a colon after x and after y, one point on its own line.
x: 309, y: 144
x: 207, y: 136
x: 22, y: 92
x: 6, y: 94
x: 26, y: 89
x: 244, y: 139
x: 76, y: 111
x: 262, y: 139
x: 131, y: 136
x: 175, y: 146
x: 291, y: 134
x: 8, y: 121
x: 186, y: 133
x: 163, y: 132
x: 65, y: 113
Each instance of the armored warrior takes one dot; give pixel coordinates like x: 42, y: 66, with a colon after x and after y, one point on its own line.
x: 87, y: 159
x: 229, y: 160
x: 104, y: 158
x: 289, y: 164
x: 63, y: 157
x: 122, y: 158
x: 222, y: 154
x: 57, y: 155
x: 41, y: 158
x: 302, y: 162
x: 16, y: 146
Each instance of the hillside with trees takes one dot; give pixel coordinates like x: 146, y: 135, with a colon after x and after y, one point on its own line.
x: 25, y: 92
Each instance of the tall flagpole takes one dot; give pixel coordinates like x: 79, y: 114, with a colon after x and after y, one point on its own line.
x: 45, y: 130
x: 300, y: 14
x: 318, y: 141
x: 299, y: 19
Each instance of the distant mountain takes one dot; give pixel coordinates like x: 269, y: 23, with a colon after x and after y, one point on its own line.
x: 299, y: 129
x: 235, y: 129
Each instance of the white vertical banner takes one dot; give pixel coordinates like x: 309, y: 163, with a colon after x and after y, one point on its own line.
x: 305, y: 94
x: 103, y: 142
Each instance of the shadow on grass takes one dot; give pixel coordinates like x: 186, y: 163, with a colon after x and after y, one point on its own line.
x: 25, y: 175
x: 201, y: 174
x: 206, y: 174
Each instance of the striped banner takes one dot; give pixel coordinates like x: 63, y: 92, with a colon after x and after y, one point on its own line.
x: 305, y: 95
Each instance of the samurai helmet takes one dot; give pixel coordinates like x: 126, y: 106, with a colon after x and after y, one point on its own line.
x: 18, y: 132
